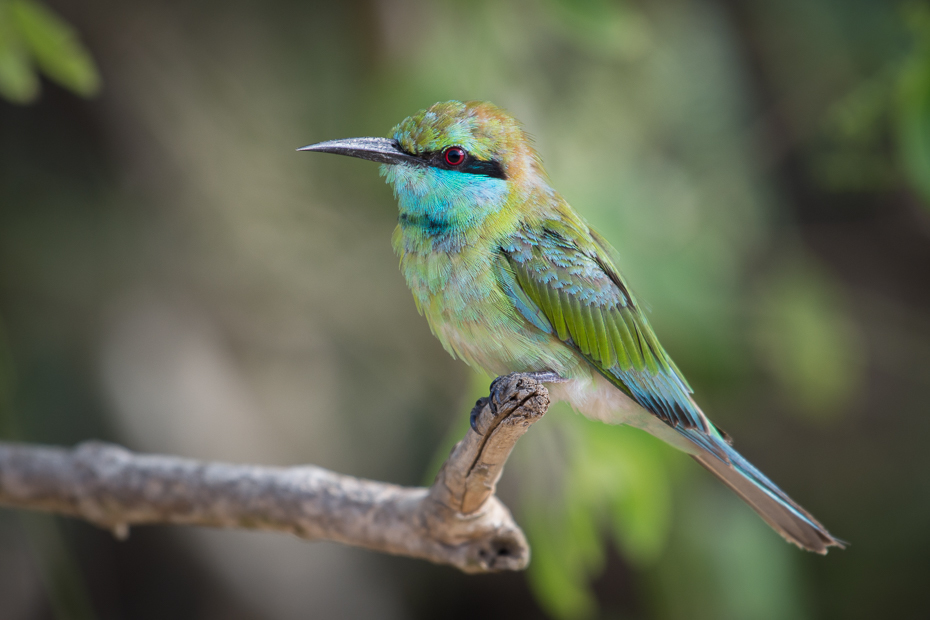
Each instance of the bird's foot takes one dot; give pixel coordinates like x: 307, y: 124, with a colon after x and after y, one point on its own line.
x: 545, y: 376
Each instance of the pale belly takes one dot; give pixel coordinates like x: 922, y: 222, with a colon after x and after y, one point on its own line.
x: 598, y: 399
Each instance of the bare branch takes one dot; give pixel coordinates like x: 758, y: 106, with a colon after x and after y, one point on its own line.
x: 457, y: 521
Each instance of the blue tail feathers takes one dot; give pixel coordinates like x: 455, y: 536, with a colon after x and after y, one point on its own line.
x: 788, y: 518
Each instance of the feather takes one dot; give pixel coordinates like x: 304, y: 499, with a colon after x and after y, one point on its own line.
x: 783, y: 514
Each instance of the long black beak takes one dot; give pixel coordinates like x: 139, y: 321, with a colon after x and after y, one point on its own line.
x: 381, y: 150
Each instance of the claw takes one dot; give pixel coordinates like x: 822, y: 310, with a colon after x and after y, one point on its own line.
x: 475, y: 412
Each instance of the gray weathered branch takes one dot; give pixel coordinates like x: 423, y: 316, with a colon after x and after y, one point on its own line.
x: 457, y: 521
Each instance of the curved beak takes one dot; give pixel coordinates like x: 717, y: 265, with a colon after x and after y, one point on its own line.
x: 381, y: 150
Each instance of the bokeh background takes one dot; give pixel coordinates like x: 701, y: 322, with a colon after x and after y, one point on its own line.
x: 175, y: 278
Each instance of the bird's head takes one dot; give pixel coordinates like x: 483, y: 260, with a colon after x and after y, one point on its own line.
x: 452, y: 164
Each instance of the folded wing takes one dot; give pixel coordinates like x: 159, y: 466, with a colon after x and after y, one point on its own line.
x: 566, y: 272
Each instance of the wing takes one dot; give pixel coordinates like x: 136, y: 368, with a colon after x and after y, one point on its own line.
x: 566, y: 271
x: 562, y: 278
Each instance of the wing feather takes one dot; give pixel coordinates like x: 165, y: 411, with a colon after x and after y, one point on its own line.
x: 620, y: 346
x: 605, y: 351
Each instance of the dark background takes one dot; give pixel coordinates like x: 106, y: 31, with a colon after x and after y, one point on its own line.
x: 175, y: 278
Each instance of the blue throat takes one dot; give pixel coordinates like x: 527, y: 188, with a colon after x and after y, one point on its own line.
x: 443, y: 204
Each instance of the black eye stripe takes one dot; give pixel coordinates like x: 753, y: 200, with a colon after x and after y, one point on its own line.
x: 471, y: 165
x: 487, y: 168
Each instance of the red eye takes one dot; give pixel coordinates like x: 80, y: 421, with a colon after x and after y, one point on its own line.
x: 454, y: 156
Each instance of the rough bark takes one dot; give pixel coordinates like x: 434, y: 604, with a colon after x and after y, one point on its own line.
x: 457, y: 521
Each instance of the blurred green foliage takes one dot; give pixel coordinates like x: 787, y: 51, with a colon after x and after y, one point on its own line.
x: 615, y: 484
x: 33, y: 39
x: 913, y: 102
x: 738, y: 572
x: 809, y: 342
x: 891, y: 107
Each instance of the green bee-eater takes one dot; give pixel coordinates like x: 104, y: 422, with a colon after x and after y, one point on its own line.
x: 511, y: 279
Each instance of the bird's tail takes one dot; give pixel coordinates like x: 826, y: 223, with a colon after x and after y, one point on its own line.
x: 786, y: 517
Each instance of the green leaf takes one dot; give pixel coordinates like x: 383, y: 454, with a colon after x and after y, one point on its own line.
x: 55, y: 47
x: 18, y: 81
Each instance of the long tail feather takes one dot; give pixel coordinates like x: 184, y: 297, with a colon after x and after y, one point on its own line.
x: 786, y: 517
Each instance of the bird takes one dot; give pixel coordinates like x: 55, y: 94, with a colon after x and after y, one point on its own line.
x: 511, y: 279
